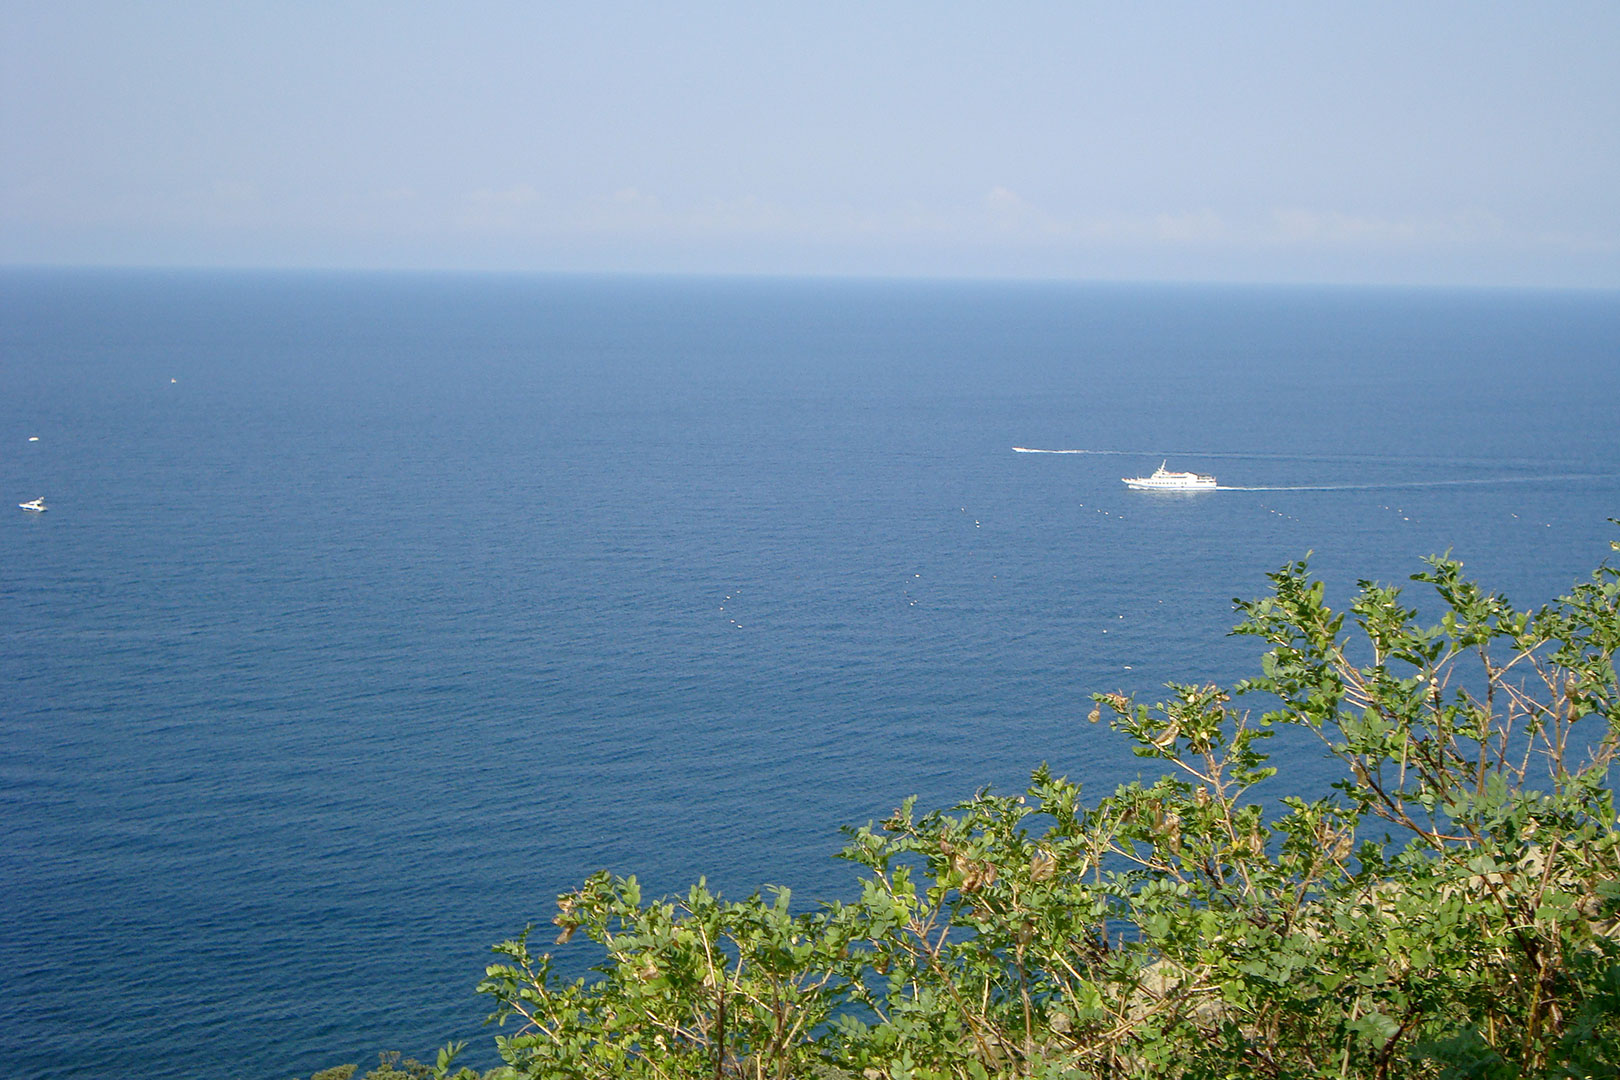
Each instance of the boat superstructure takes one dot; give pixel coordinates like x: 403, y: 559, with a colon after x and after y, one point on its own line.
x: 1163, y: 479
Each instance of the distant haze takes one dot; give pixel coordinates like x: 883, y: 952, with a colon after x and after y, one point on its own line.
x: 1437, y: 143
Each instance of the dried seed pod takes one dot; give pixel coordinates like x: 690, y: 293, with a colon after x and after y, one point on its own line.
x: 978, y: 876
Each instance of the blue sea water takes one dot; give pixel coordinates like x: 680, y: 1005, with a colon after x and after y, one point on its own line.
x: 373, y: 611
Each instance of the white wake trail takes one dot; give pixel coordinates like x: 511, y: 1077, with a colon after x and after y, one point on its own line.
x: 1375, y: 485
x: 1384, y: 485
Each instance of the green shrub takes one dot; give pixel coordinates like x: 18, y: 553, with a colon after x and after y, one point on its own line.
x: 1448, y: 908
x: 391, y: 1067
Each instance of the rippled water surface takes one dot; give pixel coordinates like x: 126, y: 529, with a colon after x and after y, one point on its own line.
x: 371, y: 612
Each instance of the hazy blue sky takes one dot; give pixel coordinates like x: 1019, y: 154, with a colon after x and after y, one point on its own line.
x: 1410, y: 142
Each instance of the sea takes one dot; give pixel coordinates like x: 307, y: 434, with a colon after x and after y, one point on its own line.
x: 372, y: 611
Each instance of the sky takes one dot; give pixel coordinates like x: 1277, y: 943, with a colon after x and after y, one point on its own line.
x: 1384, y: 143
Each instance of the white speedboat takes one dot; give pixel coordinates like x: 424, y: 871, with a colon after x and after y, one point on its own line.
x: 34, y: 506
x: 1164, y: 479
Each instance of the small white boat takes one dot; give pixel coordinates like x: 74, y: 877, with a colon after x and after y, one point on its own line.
x: 1164, y: 479
x: 34, y: 506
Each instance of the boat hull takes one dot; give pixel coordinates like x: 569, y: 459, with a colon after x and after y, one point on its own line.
x: 1146, y: 485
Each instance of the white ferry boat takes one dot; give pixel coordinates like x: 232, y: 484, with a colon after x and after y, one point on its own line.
x: 33, y: 506
x: 1165, y: 480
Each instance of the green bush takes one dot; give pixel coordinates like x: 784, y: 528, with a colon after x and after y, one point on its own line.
x: 1448, y: 908
x: 390, y: 1067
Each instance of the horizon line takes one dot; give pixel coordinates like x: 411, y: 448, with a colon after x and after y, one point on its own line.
x: 807, y: 276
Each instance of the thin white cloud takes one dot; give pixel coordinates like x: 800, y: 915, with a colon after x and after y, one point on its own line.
x: 1014, y: 217
x: 1335, y: 229
x: 1002, y: 200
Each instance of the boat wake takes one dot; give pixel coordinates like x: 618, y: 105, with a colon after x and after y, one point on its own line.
x: 1385, y: 485
x: 1373, y: 485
